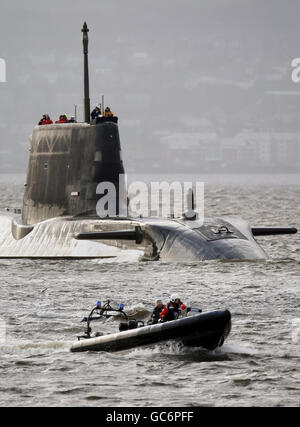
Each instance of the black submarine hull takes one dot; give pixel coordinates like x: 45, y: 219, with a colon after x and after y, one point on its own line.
x: 59, y: 216
x: 167, y: 240
x: 207, y: 330
x: 68, y: 165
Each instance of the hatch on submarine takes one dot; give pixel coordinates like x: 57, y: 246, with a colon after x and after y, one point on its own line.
x: 59, y: 216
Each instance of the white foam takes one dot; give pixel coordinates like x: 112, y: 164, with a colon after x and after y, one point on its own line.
x: 239, y: 349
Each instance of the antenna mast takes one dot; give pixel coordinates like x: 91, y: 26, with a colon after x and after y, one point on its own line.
x: 86, y: 102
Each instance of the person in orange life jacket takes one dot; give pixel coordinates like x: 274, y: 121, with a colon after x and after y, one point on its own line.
x: 173, y: 309
x: 45, y: 120
x: 42, y: 119
x: 62, y: 119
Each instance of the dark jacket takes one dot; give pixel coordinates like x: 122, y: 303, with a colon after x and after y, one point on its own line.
x: 95, y: 113
x: 155, y: 316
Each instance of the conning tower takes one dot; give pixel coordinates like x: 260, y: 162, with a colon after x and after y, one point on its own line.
x: 68, y: 161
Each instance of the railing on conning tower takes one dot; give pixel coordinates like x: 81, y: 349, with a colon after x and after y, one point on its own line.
x: 102, y: 119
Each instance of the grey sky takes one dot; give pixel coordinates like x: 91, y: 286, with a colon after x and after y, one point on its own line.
x: 167, y: 68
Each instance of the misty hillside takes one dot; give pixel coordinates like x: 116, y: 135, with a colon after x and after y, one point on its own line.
x: 196, y: 85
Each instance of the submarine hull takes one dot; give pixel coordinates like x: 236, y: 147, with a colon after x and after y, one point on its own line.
x: 207, y: 330
x: 166, y: 240
x: 71, y: 167
x: 59, y: 216
x: 62, y: 192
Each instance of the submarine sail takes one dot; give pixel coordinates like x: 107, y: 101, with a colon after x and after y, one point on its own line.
x: 66, y: 164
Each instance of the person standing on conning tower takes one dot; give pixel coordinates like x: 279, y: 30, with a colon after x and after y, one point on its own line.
x: 96, y: 113
x: 45, y: 120
x: 108, y: 112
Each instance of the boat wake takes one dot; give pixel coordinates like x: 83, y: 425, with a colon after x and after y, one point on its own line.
x: 31, y: 348
x: 175, y: 350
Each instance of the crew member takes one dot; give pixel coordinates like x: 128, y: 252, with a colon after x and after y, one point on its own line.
x: 42, y: 119
x: 155, y: 316
x: 173, y: 309
x: 48, y: 121
x: 95, y: 113
x: 108, y: 112
x: 45, y: 120
x: 62, y: 119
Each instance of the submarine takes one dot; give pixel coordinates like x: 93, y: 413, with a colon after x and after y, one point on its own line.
x: 59, y: 216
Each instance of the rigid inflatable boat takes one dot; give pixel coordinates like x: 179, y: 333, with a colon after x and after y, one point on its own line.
x: 208, y: 330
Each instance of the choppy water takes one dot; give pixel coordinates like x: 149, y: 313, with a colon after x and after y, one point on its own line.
x: 42, y: 303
